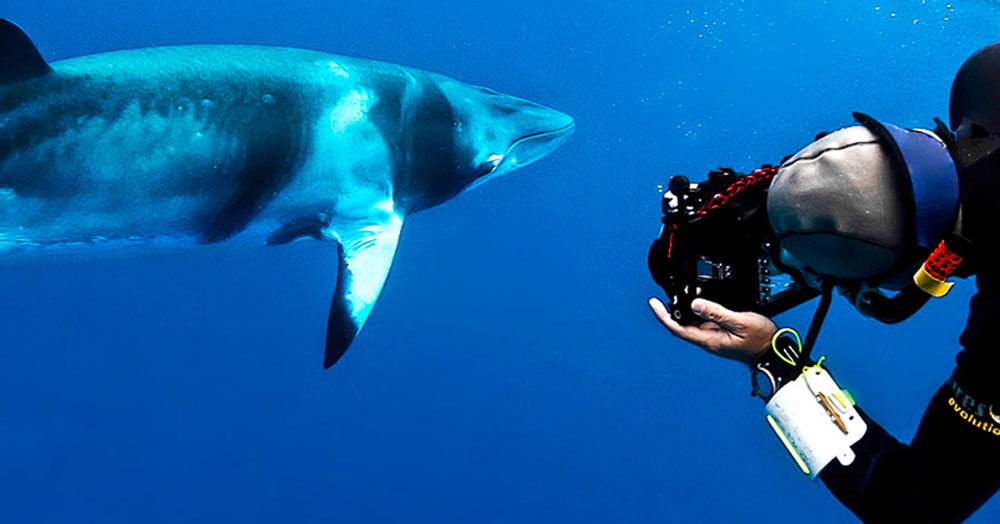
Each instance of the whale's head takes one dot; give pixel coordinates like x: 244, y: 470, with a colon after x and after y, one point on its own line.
x: 458, y: 136
x: 495, y: 134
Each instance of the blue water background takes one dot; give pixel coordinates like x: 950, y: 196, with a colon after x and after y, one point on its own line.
x: 511, y: 371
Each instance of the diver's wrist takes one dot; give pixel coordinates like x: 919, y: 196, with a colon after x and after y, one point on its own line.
x: 778, y: 365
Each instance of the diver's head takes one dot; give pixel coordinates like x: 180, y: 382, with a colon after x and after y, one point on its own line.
x: 497, y: 133
x: 975, y: 94
x: 864, y: 203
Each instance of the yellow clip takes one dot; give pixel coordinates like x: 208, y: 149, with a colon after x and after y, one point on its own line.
x: 930, y: 284
x: 840, y: 401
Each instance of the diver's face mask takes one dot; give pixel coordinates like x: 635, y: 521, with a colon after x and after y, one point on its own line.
x: 716, y: 243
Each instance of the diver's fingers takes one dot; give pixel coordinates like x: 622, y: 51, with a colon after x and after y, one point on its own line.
x: 660, y: 311
x: 717, y: 313
x: 707, y: 335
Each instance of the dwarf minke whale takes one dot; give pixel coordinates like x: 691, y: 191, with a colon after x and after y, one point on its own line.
x: 169, y: 148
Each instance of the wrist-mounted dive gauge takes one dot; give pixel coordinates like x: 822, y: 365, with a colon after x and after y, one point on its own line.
x: 811, y: 415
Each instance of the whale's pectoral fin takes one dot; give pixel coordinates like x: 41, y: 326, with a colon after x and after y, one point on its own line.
x: 19, y: 58
x: 309, y: 226
x: 365, y: 258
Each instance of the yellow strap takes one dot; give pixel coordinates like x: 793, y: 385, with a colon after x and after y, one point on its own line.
x: 930, y: 284
x: 788, y: 445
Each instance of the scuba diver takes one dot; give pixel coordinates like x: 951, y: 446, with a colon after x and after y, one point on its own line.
x: 886, y: 216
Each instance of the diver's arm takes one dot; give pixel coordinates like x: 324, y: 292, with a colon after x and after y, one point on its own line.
x: 945, y: 474
x: 952, y: 466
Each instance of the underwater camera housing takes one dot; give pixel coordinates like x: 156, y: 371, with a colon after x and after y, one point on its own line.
x: 716, y: 243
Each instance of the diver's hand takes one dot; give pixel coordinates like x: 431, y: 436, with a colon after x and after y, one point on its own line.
x: 728, y: 334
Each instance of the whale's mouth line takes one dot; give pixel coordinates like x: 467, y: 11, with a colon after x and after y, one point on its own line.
x: 510, y: 159
x: 541, y: 134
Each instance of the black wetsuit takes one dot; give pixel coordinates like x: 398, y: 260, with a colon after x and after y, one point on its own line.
x: 952, y: 467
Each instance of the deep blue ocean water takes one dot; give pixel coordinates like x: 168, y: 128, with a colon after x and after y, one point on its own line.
x: 511, y: 371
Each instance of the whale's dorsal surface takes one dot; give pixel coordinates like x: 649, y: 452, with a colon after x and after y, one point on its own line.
x: 19, y: 58
x: 198, y: 147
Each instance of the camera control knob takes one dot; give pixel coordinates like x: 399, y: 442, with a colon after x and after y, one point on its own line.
x: 679, y: 185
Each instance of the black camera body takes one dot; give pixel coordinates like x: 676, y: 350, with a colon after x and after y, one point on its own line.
x: 716, y: 243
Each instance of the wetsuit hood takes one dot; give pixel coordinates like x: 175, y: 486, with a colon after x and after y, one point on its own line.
x: 975, y: 95
x: 865, y: 203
